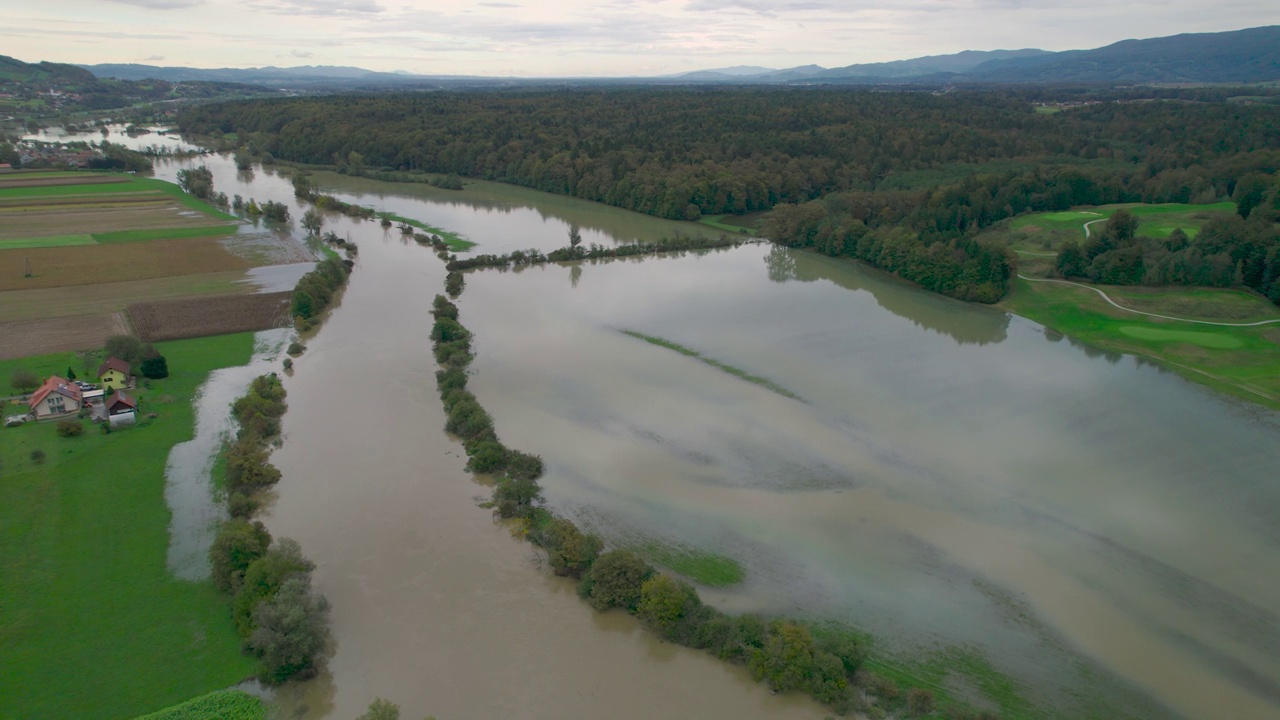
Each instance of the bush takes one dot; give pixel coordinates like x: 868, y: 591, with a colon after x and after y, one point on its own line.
x: 291, y: 631
x: 153, y: 365
x: 516, y: 498
x: 571, y: 551
x: 487, y: 456
x: 296, y: 349
x: 264, y: 577
x: 37, y: 457
x: 126, y: 347
x: 237, y: 545
x: 524, y: 466
x: 70, y: 428
x: 919, y: 702
x: 615, y: 580
x: 666, y: 604
x: 451, y: 379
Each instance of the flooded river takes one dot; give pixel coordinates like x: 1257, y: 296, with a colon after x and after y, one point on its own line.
x: 951, y: 478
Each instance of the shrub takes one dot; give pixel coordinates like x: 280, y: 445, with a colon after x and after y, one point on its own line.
x: 516, y: 498
x: 487, y: 456
x: 296, y: 349
x: 451, y: 379
x: 919, y: 702
x: 666, y: 603
x: 70, y: 428
x: 524, y: 466
x: 126, y: 347
x: 237, y: 544
x: 153, y: 365
x: 242, y: 506
x: 615, y: 580
x: 264, y: 577
x: 37, y: 456
x: 571, y: 551
x: 291, y: 631
x: 453, y: 284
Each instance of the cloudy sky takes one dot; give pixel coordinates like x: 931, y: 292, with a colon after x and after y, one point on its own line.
x: 583, y: 37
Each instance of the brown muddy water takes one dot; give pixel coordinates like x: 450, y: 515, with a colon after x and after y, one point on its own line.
x: 953, y: 478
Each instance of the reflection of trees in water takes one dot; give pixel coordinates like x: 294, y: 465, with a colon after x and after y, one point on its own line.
x: 575, y: 274
x: 964, y: 323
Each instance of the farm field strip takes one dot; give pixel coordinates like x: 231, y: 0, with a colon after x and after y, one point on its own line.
x: 77, y: 332
x: 199, y: 317
x: 108, y: 297
x: 20, y: 180
x: 48, y: 241
x: 93, y: 264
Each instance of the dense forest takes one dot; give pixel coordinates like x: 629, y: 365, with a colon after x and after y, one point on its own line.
x: 902, y: 180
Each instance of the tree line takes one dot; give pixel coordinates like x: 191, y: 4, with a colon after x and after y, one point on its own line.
x: 901, y: 180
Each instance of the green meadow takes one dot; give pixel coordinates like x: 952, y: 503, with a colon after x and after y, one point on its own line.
x: 93, y: 624
x: 1045, y: 232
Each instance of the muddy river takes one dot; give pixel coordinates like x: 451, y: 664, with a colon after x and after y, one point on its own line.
x: 951, y: 478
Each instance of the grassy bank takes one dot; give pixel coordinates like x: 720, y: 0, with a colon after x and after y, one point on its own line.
x: 455, y: 241
x: 94, y: 626
x: 222, y: 705
x: 698, y: 565
x: 1241, y: 361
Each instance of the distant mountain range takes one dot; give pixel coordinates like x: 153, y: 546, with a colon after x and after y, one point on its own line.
x: 1241, y: 56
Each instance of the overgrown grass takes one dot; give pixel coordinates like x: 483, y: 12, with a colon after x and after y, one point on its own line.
x: 699, y: 565
x: 725, y: 367
x: 1241, y: 361
x: 942, y: 670
x: 219, y: 705
x: 455, y: 241
x: 94, y: 625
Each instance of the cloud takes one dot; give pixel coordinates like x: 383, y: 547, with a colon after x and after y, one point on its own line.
x: 153, y: 58
x: 301, y: 53
x: 161, y: 4
x: 319, y: 8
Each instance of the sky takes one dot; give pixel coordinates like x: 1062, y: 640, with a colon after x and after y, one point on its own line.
x: 582, y: 38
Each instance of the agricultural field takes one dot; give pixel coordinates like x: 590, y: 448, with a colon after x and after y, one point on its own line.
x: 199, y: 317
x: 94, y: 624
x: 77, y: 248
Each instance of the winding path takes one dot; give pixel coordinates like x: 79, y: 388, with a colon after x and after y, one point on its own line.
x: 1117, y: 305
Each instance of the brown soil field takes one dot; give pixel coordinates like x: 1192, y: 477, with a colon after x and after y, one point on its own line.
x: 93, y: 264
x: 57, y: 302
x: 103, y: 218
x: 199, y: 317
x: 80, y: 332
x: 19, y: 179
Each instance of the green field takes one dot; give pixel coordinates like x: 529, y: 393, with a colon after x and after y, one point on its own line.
x: 1241, y: 361
x: 1045, y: 232
x: 701, y: 566
x: 48, y: 241
x: 122, y: 236
x: 729, y: 223
x: 219, y: 705
x: 455, y: 241
x: 93, y: 625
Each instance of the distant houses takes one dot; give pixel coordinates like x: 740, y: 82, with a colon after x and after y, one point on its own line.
x: 114, y: 373
x: 55, y: 398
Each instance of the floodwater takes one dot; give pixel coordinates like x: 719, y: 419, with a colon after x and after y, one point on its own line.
x: 1101, y: 530
x: 196, y: 509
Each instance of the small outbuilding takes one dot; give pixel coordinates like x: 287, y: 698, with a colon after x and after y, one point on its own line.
x: 114, y: 373
x: 122, y: 409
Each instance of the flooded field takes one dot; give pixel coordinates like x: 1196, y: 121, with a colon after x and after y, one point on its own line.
x: 948, y: 477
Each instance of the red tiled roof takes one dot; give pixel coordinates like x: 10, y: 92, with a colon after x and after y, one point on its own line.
x: 121, y: 398
x: 58, y: 385
x: 113, y: 363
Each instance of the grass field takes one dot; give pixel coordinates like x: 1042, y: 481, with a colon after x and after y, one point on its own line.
x: 220, y: 705
x: 701, y: 566
x: 1045, y: 232
x: 733, y: 223
x: 455, y: 241
x: 94, y: 626
x: 50, y: 241
x: 1241, y: 361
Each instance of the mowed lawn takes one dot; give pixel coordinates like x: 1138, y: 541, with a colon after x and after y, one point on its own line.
x: 93, y: 625
x: 1242, y: 361
x: 1045, y: 232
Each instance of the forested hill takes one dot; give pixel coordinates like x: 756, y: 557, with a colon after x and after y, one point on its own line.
x: 931, y: 168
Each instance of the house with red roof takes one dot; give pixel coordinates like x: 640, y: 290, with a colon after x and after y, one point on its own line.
x: 114, y: 373
x: 122, y: 409
x: 55, y: 398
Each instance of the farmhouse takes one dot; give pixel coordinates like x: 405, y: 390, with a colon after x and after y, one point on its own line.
x: 114, y: 373
x: 57, y: 396
x: 122, y: 409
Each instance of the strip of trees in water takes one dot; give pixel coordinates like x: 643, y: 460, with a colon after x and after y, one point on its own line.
x: 825, y: 660
x: 281, y: 619
x: 594, y: 251
x: 902, y: 180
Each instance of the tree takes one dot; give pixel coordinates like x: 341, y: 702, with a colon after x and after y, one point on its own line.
x: 615, y: 580
x: 24, y: 381
x: 71, y: 374
x: 1071, y: 260
x: 575, y: 236
x: 237, y: 544
x: 665, y: 602
x: 197, y: 181
x: 571, y: 551
x: 153, y: 364
x: 312, y: 221
x: 302, y: 188
x: 786, y: 660
x: 126, y: 347
x: 244, y: 161
x: 291, y: 631
x: 381, y: 709
x: 263, y: 579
